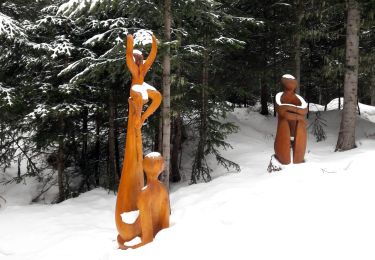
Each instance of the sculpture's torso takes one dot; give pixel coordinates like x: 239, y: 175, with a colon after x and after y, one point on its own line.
x: 291, y: 98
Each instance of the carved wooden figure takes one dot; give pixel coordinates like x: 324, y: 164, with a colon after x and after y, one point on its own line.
x: 153, y: 206
x: 132, y: 176
x: 291, y: 126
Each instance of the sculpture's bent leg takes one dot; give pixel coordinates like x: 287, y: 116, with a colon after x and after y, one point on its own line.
x: 127, y: 232
x: 300, y: 141
x: 282, y: 141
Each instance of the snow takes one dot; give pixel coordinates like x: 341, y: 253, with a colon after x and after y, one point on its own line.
x: 134, y: 241
x: 143, y: 89
x: 9, y: 27
x: 321, y: 209
x: 7, y: 94
x: 73, y: 8
x: 278, y: 101
x: 226, y: 40
x: 96, y: 38
x: 194, y: 49
x: 142, y: 37
x: 288, y: 76
x: 130, y: 217
x: 153, y: 155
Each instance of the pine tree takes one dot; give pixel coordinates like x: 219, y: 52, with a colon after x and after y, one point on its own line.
x: 346, y: 139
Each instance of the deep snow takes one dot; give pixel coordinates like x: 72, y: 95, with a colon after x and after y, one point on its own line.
x: 321, y: 209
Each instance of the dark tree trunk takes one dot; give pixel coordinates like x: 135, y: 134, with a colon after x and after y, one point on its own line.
x: 346, y: 139
x: 116, y: 136
x: 263, y: 97
x: 111, y: 144
x: 373, y: 90
x: 84, y: 148
x: 339, y: 96
x: 97, y: 151
x: 198, y: 167
x: 297, y: 43
x: 166, y: 93
x: 60, y: 161
x: 176, y: 148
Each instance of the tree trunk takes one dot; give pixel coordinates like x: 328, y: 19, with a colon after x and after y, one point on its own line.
x: 339, y: 96
x: 166, y: 93
x: 116, y: 135
x: 263, y: 97
x: 297, y: 44
x: 97, y: 151
x: 60, y: 161
x: 111, y: 143
x: 198, y: 167
x: 84, y: 169
x: 373, y: 90
x: 346, y: 139
x: 176, y: 147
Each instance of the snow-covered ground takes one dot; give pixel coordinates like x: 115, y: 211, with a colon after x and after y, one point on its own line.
x: 321, y: 209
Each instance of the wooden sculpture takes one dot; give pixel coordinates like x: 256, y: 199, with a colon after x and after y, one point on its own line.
x: 291, y: 126
x: 132, y: 176
x: 153, y: 206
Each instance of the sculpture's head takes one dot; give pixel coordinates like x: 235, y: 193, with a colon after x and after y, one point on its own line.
x: 288, y: 82
x: 153, y: 165
x: 138, y: 57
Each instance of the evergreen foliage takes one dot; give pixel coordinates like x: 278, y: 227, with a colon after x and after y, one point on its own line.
x: 64, y: 83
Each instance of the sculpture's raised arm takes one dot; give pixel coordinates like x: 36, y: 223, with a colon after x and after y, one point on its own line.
x: 150, y: 59
x: 129, y: 55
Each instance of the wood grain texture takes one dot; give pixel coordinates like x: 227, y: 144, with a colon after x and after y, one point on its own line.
x: 291, y: 123
x: 152, y: 201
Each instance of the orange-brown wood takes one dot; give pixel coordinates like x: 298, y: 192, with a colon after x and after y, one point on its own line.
x: 132, y: 176
x: 153, y: 205
x: 136, y: 66
x: 291, y: 123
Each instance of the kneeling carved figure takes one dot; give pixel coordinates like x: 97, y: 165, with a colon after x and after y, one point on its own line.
x: 153, y: 207
x: 291, y: 126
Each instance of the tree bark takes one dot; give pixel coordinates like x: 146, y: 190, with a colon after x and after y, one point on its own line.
x: 198, y: 168
x: 297, y: 44
x: 263, y: 97
x: 84, y: 169
x: 373, y: 90
x: 60, y: 161
x: 339, y: 96
x: 166, y: 93
x: 111, y: 143
x: 97, y: 150
x: 346, y: 139
x: 116, y: 135
x: 176, y: 147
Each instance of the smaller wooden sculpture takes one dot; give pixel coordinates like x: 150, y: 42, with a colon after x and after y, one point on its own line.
x: 291, y: 126
x: 152, y: 203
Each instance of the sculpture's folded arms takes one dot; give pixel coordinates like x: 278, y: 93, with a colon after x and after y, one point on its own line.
x: 278, y: 101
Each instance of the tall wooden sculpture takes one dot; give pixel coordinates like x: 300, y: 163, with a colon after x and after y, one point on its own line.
x: 132, y: 176
x: 291, y: 126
